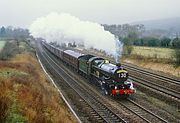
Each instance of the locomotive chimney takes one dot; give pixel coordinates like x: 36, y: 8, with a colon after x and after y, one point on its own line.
x: 118, y: 64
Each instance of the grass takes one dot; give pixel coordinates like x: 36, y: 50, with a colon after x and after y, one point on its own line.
x: 7, y: 72
x: 26, y: 95
x: 153, y: 52
x: 2, y: 43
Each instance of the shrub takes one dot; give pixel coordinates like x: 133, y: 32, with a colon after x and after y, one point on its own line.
x: 177, y: 56
x: 128, y: 49
x: 10, y: 49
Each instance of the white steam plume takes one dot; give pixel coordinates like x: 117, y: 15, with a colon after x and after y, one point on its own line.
x: 64, y: 28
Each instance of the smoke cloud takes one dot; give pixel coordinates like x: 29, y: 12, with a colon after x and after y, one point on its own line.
x: 65, y: 28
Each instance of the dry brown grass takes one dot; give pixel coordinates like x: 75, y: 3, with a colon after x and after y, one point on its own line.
x: 4, y: 102
x: 153, y: 52
x: 27, y: 87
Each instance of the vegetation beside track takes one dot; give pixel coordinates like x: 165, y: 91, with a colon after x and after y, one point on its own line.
x: 160, y: 67
x: 153, y: 52
x: 158, y: 59
x: 26, y: 94
x: 2, y: 43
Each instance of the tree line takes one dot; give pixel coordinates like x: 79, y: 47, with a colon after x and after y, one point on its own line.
x: 165, y: 42
x: 138, y: 35
x: 13, y: 33
x: 152, y: 42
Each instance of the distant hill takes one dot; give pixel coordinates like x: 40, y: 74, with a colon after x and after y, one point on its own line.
x: 170, y: 24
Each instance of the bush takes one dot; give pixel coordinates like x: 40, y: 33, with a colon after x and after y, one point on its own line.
x: 128, y: 50
x: 176, y: 43
x: 10, y: 49
x: 177, y: 57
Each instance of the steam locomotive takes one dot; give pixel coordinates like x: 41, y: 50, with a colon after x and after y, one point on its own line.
x: 113, y: 79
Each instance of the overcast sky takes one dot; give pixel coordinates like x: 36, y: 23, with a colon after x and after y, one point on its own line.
x: 23, y: 12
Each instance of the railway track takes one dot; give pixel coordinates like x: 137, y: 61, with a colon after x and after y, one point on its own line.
x: 143, y: 113
x: 96, y: 109
x: 136, y: 109
x: 169, y: 92
x: 163, y: 87
x: 152, y: 74
x: 167, y: 84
